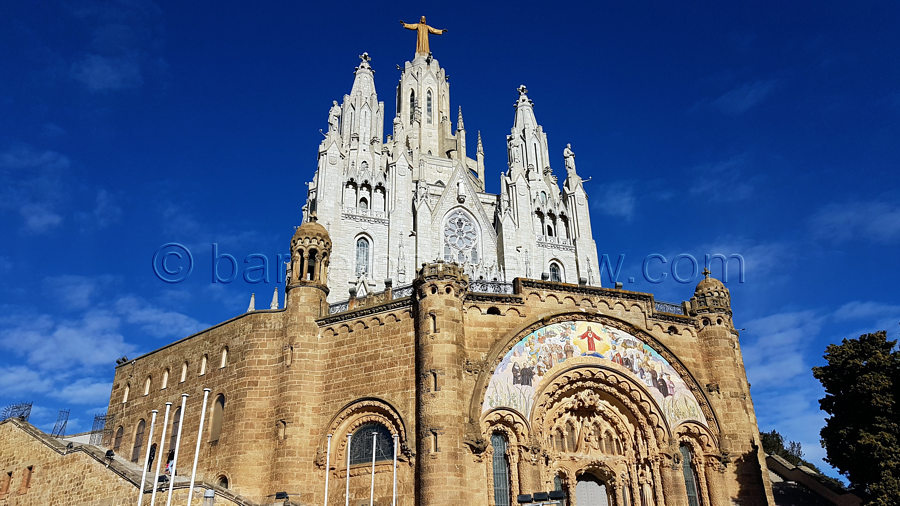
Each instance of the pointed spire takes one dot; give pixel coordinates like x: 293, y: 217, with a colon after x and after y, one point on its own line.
x: 252, y: 306
x: 479, y: 148
x: 459, y: 120
x: 274, y: 303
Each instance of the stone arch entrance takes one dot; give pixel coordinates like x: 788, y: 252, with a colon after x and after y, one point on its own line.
x: 604, y: 406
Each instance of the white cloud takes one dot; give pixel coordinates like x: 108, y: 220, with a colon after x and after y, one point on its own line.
x: 101, y: 73
x: 30, y: 185
x: 775, y: 353
x: 726, y: 180
x: 76, y: 292
x: 156, y: 321
x: 877, y: 221
x: 744, y: 97
x: 84, y: 391
x: 614, y: 199
x: 759, y: 259
x: 19, y: 382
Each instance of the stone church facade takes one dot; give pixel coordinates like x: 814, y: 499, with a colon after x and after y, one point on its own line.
x: 464, y: 332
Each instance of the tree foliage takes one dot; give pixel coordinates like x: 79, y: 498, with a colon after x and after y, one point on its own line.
x: 862, y: 434
x: 773, y: 444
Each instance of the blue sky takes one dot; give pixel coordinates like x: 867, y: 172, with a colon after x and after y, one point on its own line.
x: 768, y: 131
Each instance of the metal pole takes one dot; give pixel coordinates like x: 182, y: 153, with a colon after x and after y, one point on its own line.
x: 177, y: 444
x: 206, y: 392
x: 394, y: 497
x: 347, y: 492
x: 327, y: 467
x: 147, y: 456
x: 159, y: 452
x: 372, y: 486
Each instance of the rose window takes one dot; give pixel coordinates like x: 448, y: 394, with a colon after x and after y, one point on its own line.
x: 460, y: 239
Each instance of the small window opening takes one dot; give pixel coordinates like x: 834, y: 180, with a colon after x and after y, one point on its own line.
x: 184, y: 368
x: 203, y: 364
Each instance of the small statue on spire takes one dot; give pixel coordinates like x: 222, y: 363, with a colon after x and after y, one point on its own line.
x: 422, y: 30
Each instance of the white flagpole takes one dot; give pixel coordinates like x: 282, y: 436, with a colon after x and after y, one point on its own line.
x: 394, y: 498
x: 160, y: 454
x: 372, y: 486
x: 177, y: 444
x: 327, y: 467
x: 347, y: 492
x: 147, y: 456
x: 206, y: 392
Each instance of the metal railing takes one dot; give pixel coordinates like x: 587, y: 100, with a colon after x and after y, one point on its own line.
x: 562, y: 241
x: 669, y: 307
x: 483, y: 286
x: 398, y: 293
x: 368, y: 212
x: 402, y: 291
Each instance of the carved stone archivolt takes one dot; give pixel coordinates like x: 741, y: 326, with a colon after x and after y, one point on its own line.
x: 351, y: 418
x: 592, y: 419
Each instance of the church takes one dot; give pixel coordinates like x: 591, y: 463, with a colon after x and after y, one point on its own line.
x: 437, y: 344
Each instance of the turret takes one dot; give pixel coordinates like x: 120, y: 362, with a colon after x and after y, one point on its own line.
x: 729, y: 392
x: 440, y: 392
x: 299, y: 382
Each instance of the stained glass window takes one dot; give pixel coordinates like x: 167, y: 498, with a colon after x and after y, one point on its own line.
x: 361, y: 444
x: 690, y: 479
x: 500, y: 465
x: 460, y: 239
x: 362, y: 256
x: 555, y: 273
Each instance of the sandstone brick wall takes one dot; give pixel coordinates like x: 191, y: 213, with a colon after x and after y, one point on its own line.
x: 294, y: 376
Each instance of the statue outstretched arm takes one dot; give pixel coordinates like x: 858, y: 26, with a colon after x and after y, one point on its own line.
x: 414, y: 26
x: 436, y: 31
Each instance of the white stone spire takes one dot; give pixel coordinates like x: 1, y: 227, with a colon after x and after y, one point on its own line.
x: 274, y: 303
x: 252, y: 306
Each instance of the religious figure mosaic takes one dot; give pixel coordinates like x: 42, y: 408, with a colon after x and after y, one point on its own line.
x: 517, y: 378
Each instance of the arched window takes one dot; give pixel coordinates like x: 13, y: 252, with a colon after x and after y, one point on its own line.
x: 412, y: 105
x: 549, y: 231
x: 461, y: 238
x: 184, y: 368
x: 117, y: 442
x: 203, y: 364
x: 165, y: 380
x: 216, y: 418
x: 147, y: 386
x: 362, y: 256
x: 363, y: 204
x: 500, y: 464
x: 555, y: 272
x: 176, y: 421
x: 690, y: 476
x: 222, y: 481
x: 138, y: 441
x: 125, y: 394
x: 311, y: 262
x: 224, y: 360
x: 361, y: 443
x: 428, y: 107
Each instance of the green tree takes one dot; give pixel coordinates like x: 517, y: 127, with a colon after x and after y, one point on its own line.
x: 862, y: 434
x: 773, y: 444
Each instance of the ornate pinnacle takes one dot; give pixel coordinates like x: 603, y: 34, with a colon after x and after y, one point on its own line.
x: 522, y: 89
x: 459, y: 120
x: 480, y: 148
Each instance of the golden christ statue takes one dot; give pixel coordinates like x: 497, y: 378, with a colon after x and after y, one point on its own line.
x: 422, y: 30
